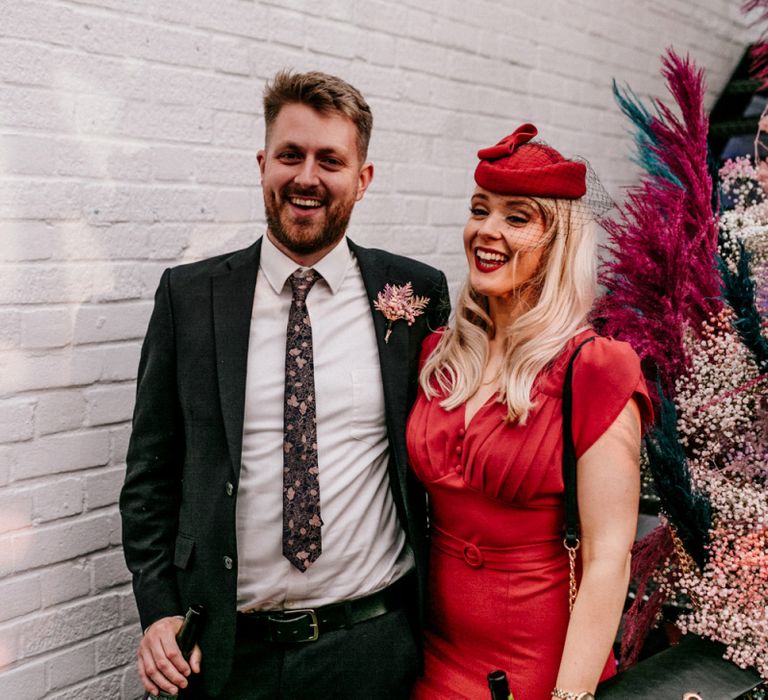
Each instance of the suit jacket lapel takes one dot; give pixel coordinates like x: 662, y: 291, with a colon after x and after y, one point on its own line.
x: 393, y: 355
x: 233, y: 287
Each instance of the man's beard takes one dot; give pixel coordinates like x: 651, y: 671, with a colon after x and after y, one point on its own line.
x: 303, y: 238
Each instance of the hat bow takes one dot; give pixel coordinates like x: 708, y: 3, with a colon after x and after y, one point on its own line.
x: 507, y: 146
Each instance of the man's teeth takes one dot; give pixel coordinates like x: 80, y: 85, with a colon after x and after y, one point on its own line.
x: 487, y: 256
x: 302, y: 202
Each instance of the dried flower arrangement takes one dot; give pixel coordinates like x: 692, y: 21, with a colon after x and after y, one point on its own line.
x: 687, y: 286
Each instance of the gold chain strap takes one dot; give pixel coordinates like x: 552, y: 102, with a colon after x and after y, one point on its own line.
x: 687, y: 564
x: 572, y: 589
x: 686, y: 560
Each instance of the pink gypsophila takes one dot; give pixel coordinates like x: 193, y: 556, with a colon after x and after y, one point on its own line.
x: 738, y: 180
x: 732, y: 589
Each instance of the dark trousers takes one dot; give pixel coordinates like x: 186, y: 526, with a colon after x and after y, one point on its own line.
x: 372, y: 660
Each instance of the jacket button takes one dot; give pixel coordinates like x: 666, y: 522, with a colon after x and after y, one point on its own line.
x: 227, y: 562
x: 230, y: 489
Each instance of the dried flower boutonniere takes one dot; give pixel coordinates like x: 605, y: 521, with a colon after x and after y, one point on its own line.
x: 398, y: 301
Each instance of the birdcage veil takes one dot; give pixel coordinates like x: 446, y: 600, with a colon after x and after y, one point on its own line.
x: 523, y: 166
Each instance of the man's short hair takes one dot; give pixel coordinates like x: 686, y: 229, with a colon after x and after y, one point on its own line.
x: 325, y: 94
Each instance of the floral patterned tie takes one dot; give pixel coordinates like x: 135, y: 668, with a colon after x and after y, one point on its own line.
x: 301, y: 487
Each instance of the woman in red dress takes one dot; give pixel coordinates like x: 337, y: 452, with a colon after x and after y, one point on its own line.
x: 485, y: 438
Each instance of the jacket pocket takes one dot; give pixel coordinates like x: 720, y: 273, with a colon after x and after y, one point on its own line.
x: 183, y: 553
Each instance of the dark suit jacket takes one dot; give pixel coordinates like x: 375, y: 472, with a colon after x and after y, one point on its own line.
x: 183, y: 463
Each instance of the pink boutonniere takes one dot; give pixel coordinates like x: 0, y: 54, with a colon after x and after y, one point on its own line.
x: 398, y: 301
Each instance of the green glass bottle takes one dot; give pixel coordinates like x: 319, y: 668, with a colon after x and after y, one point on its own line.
x: 497, y: 682
x: 186, y: 638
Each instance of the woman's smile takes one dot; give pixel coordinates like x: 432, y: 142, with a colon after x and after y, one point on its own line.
x: 488, y: 260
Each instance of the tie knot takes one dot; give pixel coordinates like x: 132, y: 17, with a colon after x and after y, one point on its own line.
x: 302, y: 281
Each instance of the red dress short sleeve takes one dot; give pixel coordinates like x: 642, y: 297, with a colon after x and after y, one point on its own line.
x: 606, y: 375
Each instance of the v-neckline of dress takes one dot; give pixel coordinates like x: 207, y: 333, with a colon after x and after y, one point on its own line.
x: 466, y: 423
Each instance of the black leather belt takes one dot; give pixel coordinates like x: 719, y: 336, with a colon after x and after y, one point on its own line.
x: 307, y: 624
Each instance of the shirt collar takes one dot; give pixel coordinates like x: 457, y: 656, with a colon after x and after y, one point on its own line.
x: 278, y: 267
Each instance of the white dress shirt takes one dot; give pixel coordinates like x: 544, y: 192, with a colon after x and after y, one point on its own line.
x: 363, y: 545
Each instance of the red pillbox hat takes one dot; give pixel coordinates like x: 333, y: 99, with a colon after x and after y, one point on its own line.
x: 516, y: 167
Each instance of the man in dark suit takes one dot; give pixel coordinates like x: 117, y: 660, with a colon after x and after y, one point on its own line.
x: 267, y: 471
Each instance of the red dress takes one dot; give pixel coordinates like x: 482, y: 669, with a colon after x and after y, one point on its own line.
x: 498, y: 575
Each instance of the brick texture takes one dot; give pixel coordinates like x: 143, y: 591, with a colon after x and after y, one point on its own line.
x: 128, y: 133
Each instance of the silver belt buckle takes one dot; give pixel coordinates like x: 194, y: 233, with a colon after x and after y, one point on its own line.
x: 299, y: 613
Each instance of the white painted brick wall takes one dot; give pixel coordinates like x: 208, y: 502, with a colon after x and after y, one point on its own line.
x: 128, y: 133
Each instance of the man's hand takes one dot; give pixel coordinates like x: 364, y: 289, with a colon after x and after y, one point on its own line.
x: 161, y: 665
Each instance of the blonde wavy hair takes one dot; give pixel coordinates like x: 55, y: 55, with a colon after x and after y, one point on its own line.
x: 557, y: 299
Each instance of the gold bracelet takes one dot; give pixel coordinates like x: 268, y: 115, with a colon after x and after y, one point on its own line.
x: 568, y: 695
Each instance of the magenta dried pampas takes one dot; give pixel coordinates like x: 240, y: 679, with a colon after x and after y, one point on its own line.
x: 661, y: 275
x: 644, y: 612
x: 759, y: 53
x: 662, y: 283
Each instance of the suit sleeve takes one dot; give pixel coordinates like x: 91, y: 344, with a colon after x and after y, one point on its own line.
x: 150, y: 498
